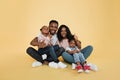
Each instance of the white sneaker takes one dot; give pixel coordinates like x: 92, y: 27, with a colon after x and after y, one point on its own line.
x: 36, y: 64
x: 80, y: 71
x: 53, y: 65
x: 87, y: 71
x: 73, y: 65
x: 62, y: 65
x: 44, y: 56
x: 93, y: 66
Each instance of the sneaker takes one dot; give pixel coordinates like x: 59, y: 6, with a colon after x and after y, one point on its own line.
x: 36, y: 64
x: 79, y: 68
x: 62, y: 65
x: 86, y: 68
x: 93, y: 67
x: 73, y: 65
x: 53, y: 65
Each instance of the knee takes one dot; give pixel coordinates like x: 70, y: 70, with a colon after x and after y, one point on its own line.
x: 68, y: 58
x: 62, y: 49
x: 64, y: 54
x: 29, y: 50
x: 90, y: 47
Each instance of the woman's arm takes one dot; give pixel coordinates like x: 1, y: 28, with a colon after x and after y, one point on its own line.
x: 78, y: 42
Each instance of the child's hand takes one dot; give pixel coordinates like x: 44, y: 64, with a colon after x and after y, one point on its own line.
x: 49, y: 35
x: 77, y: 51
x: 74, y: 51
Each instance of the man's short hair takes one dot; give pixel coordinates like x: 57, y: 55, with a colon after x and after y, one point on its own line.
x: 53, y: 21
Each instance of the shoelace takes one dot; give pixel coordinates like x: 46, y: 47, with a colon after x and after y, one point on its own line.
x: 86, y: 67
x: 78, y: 67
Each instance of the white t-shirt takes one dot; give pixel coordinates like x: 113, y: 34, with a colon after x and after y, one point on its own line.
x: 53, y: 40
x: 41, y: 38
x: 72, y: 48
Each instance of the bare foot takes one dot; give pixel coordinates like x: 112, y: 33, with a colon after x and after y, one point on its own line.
x: 46, y: 62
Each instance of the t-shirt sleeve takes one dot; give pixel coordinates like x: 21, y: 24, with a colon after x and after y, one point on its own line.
x: 40, y: 38
x: 68, y: 49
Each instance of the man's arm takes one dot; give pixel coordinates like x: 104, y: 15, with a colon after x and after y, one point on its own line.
x: 35, y: 42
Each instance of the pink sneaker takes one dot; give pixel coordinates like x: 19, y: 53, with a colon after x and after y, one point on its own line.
x: 79, y: 68
x: 86, y: 68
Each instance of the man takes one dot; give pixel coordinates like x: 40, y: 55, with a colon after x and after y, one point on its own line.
x: 53, y: 27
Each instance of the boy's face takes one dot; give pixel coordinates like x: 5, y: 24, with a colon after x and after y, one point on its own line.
x: 72, y: 43
x: 45, y: 30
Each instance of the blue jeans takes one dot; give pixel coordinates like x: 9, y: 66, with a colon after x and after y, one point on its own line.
x: 78, y: 57
x: 38, y: 56
x: 85, y: 51
x: 51, y: 51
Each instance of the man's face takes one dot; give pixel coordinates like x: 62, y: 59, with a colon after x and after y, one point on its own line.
x: 53, y: 27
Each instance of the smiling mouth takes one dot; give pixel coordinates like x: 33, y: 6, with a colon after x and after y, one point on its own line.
x: 52, y: 31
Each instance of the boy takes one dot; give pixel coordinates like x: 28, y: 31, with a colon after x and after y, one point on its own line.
x: 78, y: 56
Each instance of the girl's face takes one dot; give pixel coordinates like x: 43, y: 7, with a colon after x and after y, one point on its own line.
x: 63, y: 32
x: 72, y: 43
x: 45, y: 30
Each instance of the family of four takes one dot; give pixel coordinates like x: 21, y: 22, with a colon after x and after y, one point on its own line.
x: 53, y: 42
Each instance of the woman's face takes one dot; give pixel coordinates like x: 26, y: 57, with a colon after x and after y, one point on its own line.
x: 63, y: 32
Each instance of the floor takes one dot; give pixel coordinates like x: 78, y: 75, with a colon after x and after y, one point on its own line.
x: 19, y: 67
x: 95, y: 22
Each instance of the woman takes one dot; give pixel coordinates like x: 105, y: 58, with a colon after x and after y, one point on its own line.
x: 64, y: 34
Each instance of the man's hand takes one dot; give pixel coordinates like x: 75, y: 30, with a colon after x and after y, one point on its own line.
x: 35, y: 42
x: 41, y: 44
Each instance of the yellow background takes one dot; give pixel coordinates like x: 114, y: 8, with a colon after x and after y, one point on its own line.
x: 95, y: 22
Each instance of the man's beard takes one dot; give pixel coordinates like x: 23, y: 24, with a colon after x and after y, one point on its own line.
x: 52, y: 32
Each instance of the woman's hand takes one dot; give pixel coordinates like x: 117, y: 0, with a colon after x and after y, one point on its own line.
x: 77, y: 42
x: 76, y: 38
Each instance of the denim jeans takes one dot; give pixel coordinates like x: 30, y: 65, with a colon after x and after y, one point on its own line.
x: 51, y: 51
x: 85, y: 51
x: 38, y: 56
x: 78, y: 57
